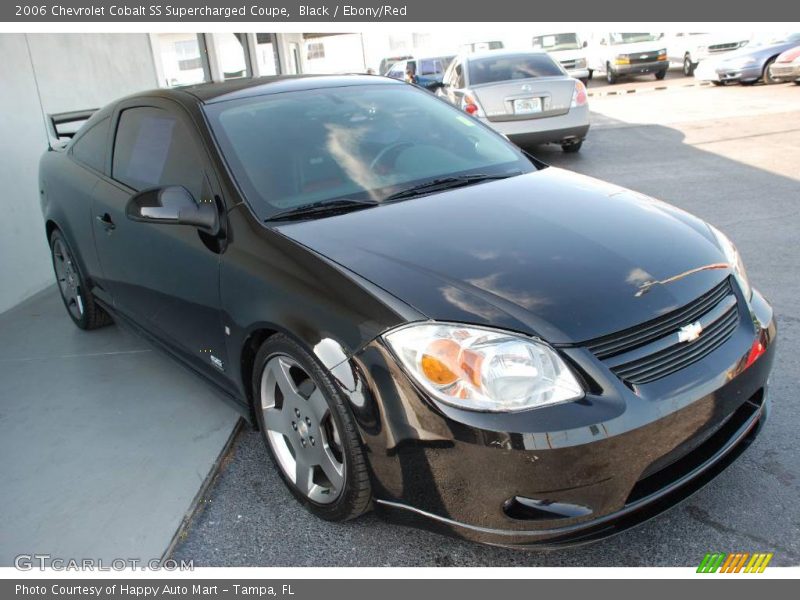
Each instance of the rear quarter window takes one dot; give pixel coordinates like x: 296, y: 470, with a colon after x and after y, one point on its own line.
x: 508, y: 68
x: 91, y: 147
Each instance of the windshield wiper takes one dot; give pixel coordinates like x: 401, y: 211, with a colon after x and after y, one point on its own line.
x: 322, y: 207
x: 445, y: 183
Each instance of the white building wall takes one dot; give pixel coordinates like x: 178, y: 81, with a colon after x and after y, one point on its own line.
x: 73, y: 71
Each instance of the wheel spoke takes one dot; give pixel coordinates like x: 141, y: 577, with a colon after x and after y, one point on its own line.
x: 276, y: 419
x: 303, y: 474
x: 333, y: 469
x: 318, y: 404
x: 280, y: 369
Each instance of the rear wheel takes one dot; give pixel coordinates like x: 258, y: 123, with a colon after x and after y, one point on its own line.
x: 661, y: 74
x: 571, y: 147
x: 79, y: 302
x: 688, y: 66
x: 309, y: 431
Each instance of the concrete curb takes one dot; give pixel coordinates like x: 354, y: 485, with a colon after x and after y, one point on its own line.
x: 196, y: 506
x: 658, y: 88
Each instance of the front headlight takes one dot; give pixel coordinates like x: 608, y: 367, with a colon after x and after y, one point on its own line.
x: 580, y: 63
x: 483, y: 369
x: 734, y: 260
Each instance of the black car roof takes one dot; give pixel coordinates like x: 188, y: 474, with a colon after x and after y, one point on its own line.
x: 209, y: 93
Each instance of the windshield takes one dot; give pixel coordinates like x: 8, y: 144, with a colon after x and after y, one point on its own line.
x: 506, y: 68
x: 358, y: 142
x: 632, y: 38
x: 772, y: 40
x: 556, y: 42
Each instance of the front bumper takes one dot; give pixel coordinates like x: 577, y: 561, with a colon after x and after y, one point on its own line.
x: 641, y: 68
x: 566, y: 474
x: 574, y: 125
x: 785, y: 71
x: 725, y: 74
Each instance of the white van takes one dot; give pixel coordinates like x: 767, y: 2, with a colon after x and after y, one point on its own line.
x: 568, y: 50
x: 618, y: 54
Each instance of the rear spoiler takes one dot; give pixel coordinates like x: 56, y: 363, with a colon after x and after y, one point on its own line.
x: 61, y: 126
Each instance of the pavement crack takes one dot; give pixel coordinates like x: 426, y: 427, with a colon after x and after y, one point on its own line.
x: 700, y: 515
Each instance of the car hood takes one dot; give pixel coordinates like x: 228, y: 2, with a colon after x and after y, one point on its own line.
x: 550, y: 253
x: 637, y: 47
x: 754, y: 50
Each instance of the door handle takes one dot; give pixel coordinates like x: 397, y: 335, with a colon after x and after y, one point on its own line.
x: 106, y: 222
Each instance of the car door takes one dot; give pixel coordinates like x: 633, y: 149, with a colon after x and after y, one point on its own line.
x: 163, y: 276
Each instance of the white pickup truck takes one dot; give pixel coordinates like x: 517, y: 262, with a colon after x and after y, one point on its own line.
x: 568, y: 50
x: 619, y: 54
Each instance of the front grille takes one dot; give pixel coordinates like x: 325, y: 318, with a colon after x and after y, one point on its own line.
x: 652, y: 350
x: 723, y: 47
x: 568, y: 64
x: 645, y: 57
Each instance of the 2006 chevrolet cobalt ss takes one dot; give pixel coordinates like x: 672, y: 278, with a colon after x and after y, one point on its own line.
x: 421, y: 319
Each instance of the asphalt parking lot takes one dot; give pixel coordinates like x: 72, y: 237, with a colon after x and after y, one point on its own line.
x: 729, y: 155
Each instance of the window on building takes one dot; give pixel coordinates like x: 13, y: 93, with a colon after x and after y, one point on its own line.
x: 267, y: 54
x: 316, y: 50
x: 182, y: 58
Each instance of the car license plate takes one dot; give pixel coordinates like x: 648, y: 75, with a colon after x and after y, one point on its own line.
x: 524, y: 106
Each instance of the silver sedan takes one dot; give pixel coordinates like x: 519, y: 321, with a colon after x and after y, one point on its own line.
x: 526, y: 96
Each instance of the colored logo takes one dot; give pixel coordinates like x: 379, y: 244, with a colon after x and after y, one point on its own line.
x: 738, y: 562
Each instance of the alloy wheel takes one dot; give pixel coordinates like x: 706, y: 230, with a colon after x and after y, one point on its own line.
x: 68, y: 279
x: 301, y: 431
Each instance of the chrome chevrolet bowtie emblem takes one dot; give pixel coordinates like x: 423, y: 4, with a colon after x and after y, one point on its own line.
x: 690, y: 332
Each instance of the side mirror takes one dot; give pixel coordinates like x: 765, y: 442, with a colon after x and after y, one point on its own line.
x: 603, y: 42
x: 173, y: 205
x: 585, y: 44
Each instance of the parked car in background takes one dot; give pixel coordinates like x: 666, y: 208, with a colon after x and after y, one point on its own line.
x: 526, y: 96
x: 620, y: 54
x: 749, y: 64
x: 689, y: 49
x: 429, y: 70
x: 787, y: 66
x: 389, y: 61
x: 569, y: 50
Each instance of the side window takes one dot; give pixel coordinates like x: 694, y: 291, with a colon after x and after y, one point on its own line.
x: 427, y: 67
x: 153, y: 148
x: 459, y: 77
x: 90, y: 148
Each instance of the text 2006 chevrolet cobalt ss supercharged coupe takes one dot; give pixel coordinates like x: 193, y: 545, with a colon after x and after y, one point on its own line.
x: 420, y: 319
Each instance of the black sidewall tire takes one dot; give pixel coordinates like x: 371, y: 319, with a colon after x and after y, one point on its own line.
x: 356, y: 496
x: 93, y: 316
x: 766, y: 77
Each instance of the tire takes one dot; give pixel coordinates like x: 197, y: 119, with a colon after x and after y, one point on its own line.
x: 688, y: 66
x: 78, y: 300
x: 591, y: 74
x: 317, y: 425
x: 661, y: 74
x: 797, y: 82
x: 572, y: 147
x: 766, y: 77
x: 611, y: 77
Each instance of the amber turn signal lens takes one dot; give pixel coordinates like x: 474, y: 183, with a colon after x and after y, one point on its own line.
x: 439, y: 360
